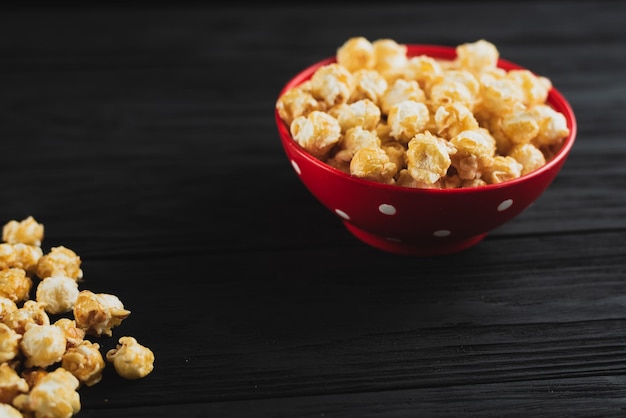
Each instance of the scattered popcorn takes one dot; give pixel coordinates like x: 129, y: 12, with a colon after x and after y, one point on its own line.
x: 15, y: 284
x: 54, y: 396
x: 9, y: 343
x: 27, y: 231
x: 131, y: 359
x: 60, y: 261
x: 85, y: 362
x: 402, y: 100
x: 11, y: 384
x: 98, y: 313
x: 44, y: 363
x: 57, y: 293
x: 7, y: 411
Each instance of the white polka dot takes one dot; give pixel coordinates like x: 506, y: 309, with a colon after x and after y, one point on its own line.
x: 296, y: 167
x: 342, y: 214
x: 505, y: 204
x: 442, y: 233
x: 386, y: 209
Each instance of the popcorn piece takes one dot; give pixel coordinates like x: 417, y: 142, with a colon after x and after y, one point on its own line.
x: 9, y: 343
x: 131, y: 359
x: 7, y: 411
x: 407, y: 119
x: 43, y: 345
x: 400, y: 91
x: 355, y: 139
x: 27, y: 231
x: 31, y: 313
x: 364, y: 113
x: 317, y: 133
x: 390, y: 58
x: 85, y: 362
x: 356, y: 53
x: 428, y: 158
x: 501, y: 96
x: 73, y: 334
x: 477, y: 56
x: 535, y: 88
x: 520, y: 126
x: 57, y: 293
x: 55, y: 396
x: 98, y: 313
x: 373, y: 164
x: 455, y: 86
x: 8, y: 256
x: 453, y: 118
x: 368, y: 84
x: 11, y: 384
x: 332, y: 83
x: 6, y: 306
x: 60, y: 261
x: 15, y: 284
x: 529, y: 156
x: 27, y: 257
x: 502, y: 168
x: 423, y: 69
x: 552, y: 126
x: 298, y: 101
x: 474, y: 149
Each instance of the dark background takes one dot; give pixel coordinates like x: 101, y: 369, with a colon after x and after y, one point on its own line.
x: 143, y: 138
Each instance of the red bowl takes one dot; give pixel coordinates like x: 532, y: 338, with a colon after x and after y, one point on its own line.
x: 421, y: 222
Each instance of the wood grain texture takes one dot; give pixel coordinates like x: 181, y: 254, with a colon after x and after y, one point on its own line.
x: 144, y: 139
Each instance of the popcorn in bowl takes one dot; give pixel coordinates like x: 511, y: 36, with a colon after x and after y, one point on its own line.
x: 460, y: 122
x: 423, y: 149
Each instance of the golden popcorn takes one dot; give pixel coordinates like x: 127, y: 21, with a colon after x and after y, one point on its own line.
x: 98, y: 313
x: 43, y: 345
x: 9, y: 343
x: 85, y: 362
x: 131, y: 359
x: 57, y: 293
x: 27, y: 231
x: 15, y: 284
x: 60, y: 261
x: 318, y: 133
x: 421, y: 95
x: 42, y: 365
x: 7, y: 411
x: 30, y: 313
x: 11, y: 384
x: 54, y: 396
x: 428, y: 158
x: 372, y: 164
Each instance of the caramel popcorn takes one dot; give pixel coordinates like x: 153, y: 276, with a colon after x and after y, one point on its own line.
x: 43, y: 345
x: 98, y: 313
x: 57, y: 293
x: 42, y: 365
x: 60, y: 261
x: 15, y: 284
x: 131, y: 359
x: 85, y: 362
x: 54, y: 396
x: 9, y: 343
x: 31, y: 313
x: 496, y: 124
x: 11, y: 384
x: 7, y: 411
x: 27, y: 231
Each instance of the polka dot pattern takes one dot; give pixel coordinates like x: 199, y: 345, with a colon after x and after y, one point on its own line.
x: 390, y: 210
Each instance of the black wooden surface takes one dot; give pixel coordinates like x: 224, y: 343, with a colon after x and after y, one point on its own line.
x: 144, y: 139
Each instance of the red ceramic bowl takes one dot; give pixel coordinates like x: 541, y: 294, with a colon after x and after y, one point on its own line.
x: 421, y: 222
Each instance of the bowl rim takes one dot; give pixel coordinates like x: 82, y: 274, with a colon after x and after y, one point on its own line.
x: 555, y: 99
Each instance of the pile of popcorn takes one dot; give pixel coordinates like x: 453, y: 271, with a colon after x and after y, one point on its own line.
x: 418, y: 121
x: 45, y: 355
